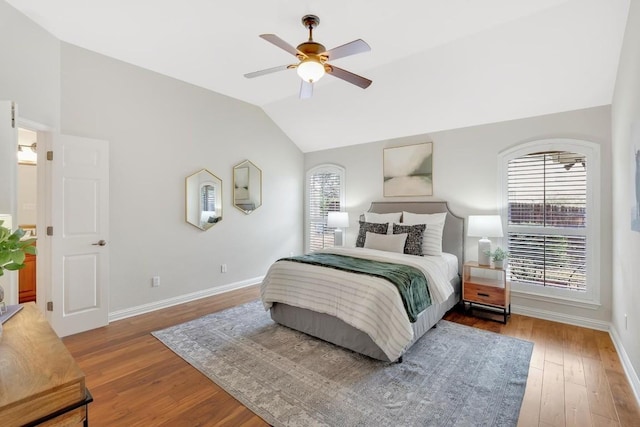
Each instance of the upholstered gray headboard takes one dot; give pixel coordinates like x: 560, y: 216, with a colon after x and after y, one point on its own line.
x: 453, y: 235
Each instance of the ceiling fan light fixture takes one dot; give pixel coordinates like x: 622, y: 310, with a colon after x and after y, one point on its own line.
x: 310, y: 70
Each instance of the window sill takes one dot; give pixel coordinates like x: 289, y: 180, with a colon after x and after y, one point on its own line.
x: 555, y: 299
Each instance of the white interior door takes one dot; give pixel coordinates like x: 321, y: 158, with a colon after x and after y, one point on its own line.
x: 79, y: 245
x: 8, y: 170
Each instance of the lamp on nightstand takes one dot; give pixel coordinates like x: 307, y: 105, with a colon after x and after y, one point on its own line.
x: 484, y: 226
x: 338, y: 220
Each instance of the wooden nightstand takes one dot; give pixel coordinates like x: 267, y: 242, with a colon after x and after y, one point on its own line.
x: 492, y: 293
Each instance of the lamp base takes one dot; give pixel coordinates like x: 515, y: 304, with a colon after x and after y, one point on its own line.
x: 337, y: 237
x: 484, y: 248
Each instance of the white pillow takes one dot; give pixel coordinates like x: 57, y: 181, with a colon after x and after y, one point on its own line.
x: 432, y: 243
x: 378, y: 218
x: 384, y: 242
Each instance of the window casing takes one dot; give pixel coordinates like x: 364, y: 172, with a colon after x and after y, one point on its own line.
x: 325, y: 192
x: 550, y: 198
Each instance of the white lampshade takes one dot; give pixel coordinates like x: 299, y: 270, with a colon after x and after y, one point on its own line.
x: 338, y: 219
x: 311, y: 70
x: 484, y: 226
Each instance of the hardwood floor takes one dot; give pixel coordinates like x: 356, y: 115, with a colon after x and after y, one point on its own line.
x: 575, y: 377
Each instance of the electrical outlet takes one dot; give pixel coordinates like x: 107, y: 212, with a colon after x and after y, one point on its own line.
x: 223, y: 268
x: 155, y: 282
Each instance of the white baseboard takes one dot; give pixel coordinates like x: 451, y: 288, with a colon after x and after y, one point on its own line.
x: 632, y: 375
x: 600, y: 325
x: 181, y: 299
x: 585, y: 322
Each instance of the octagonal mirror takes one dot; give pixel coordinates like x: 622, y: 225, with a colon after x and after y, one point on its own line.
x: 247, y: 187
x: 203, y: 199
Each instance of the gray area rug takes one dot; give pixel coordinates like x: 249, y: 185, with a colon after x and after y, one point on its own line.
x: 453, y: 376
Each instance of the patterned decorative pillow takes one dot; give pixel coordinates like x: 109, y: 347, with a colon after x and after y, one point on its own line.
x: 432, y: 244
x: 415, y: 236
x: 372, y: 228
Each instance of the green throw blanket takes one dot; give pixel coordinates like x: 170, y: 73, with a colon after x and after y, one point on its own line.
x: 409, y: 281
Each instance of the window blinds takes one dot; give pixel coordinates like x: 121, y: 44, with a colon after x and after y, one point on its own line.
x: 208, y: 194
x: 323, y: 197
x: 547, y: 197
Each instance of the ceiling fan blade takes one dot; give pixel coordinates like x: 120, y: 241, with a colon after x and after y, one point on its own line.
x: 348, y: 76
x: 273, y: 39
x: 306, y: 90
x: 351, y: 48
x: 267, y: 71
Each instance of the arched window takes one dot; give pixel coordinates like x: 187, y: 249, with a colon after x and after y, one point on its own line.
x: 324, y: 193
x: 550, y: 198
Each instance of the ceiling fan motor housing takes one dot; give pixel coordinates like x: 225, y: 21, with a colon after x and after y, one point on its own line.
x: 310, y: 21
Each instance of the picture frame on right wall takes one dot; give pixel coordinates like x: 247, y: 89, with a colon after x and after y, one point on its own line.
x: 408, y: 170
x: 635, y: 176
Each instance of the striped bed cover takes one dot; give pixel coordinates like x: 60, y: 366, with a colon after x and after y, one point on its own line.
x: 370, y: 304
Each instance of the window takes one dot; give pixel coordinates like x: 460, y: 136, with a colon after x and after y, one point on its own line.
x: 325, y: 193
x: 550, y: 195
x: 208, y: 201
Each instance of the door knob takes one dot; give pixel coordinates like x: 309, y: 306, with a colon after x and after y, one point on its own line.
x: 100, y: 243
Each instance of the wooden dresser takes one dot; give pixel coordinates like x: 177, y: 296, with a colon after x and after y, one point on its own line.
x: 40, y: 383
x: 27, y: 280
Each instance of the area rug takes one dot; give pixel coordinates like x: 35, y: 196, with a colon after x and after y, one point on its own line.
x: 453, y: 376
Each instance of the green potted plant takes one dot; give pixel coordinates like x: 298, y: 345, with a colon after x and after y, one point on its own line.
x: 13, y: 251
x: 499, y: 256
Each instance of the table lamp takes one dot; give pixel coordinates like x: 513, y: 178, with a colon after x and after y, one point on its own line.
x: 484, y: 226
x: 338, y: 220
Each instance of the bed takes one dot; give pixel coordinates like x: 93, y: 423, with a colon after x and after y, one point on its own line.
x: 389, y: 336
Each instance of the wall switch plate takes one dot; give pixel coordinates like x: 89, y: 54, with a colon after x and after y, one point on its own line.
x: 155, y: 282
x: 223, y: 268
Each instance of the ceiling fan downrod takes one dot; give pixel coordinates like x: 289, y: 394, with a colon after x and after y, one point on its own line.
x: 310, y: 22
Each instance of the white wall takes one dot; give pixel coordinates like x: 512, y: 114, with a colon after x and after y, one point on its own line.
x: 626, y: 243
x: 466, y: 175
x: 27, y: 192
x: 160, y: 131
x: 29, y: 76
x: 30, y: 71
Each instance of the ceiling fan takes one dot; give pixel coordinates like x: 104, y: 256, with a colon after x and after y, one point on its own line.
x: 314, y: 59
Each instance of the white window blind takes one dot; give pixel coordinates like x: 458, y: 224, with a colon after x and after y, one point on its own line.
x: 547, y: 219
x: 208, y: 201
x: 325, y: 193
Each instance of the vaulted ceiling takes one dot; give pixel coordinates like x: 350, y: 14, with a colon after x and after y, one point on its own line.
x: 435, y: 64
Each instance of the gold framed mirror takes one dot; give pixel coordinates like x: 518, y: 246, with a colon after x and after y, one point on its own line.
x: 247, y: 187
x: 203, y: 200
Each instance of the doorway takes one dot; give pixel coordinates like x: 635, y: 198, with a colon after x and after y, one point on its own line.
x: 27, y: 209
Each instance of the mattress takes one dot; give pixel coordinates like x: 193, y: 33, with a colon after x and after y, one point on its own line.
x: 368, y: 304
x: 333, y: 330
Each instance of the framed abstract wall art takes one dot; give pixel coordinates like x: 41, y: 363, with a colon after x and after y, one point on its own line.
x: 408, y: 170
x: 635, y: 176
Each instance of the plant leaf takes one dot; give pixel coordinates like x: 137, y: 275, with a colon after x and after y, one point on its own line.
x: 18, y: 257
x: 19, y: 233
x: 5, y: 256
x: 27, y: 242
x: 4, y: 234
x: 13, y: 266
x: 30, y: 250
